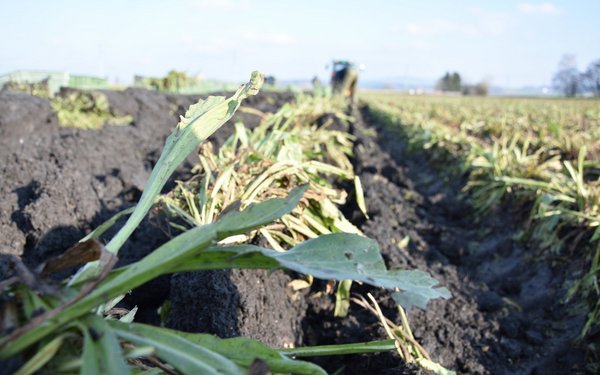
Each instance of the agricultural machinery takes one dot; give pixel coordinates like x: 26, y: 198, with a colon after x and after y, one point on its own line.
x: 344, y: 78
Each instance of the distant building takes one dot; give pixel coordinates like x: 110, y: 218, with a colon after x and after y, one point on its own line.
x: 56, y: 80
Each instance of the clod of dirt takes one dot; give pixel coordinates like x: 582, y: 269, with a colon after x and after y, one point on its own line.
x: 252, y: 303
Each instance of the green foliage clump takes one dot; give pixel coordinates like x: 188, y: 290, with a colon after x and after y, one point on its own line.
x: 178, y: 82
x: 39, y: 89
x: 86, y: 110
x: 74, y: 108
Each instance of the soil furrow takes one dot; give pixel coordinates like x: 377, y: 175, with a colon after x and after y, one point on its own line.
x: 506, y: 315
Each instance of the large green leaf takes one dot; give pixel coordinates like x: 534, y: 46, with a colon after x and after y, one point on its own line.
x: 240, y: 350
x: 339, y: 256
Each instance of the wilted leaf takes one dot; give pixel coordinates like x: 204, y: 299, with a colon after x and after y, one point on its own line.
x: 80, y: 253
x: 360, y: 196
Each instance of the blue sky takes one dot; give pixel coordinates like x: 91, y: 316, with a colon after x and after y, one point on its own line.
x: 510, y: 43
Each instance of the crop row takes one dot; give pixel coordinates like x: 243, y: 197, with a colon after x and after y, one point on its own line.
x: 541, y: 154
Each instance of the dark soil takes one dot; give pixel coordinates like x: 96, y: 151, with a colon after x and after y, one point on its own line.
x: 505, y: 317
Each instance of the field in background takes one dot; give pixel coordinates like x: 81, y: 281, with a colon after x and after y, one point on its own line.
x: 541, y: 154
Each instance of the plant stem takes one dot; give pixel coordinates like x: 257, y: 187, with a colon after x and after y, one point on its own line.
x: 358, y: 348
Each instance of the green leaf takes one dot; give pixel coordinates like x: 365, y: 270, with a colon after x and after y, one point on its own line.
x: 344, y: 256
x: 200, y: 121
x: 185, y: 355
x: 91, y: 354
x: 342, y: 299
x: 341, y: 349
x: 421, y: 292
x: 244, y: 351
x: 257, y: 215
x: 240, y: 350
x: 102, y: 351
x: 96, y: 233
x: 43, y: 356
x: 153, y: 371
x: 338, y: 256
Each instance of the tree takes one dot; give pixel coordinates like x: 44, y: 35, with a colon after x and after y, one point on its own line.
x: 567, y: 79
x: 591, y: 78
x: 449, y: 82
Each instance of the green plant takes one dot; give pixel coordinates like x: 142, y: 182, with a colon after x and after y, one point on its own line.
x: 74, y: 108
x: 40, y: 89
x: 86, y: 110
x: 287, y: 149
x: 75, y: 329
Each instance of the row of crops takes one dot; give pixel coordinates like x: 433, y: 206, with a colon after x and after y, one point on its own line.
x: 539, y: 156
x: 275, y: 186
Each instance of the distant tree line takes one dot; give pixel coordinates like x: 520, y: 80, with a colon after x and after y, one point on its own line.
x: 452, y: 82
x: 571, y: 82
x: 449, y: 82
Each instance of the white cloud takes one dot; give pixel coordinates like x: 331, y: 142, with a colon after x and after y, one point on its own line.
x: 542, y: 8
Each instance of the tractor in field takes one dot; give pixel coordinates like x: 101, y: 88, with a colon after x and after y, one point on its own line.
x: 344, y: 77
